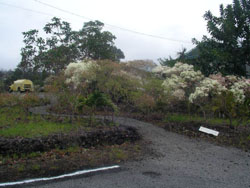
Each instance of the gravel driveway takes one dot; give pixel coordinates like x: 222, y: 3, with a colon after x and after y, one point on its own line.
x: 178, y: 161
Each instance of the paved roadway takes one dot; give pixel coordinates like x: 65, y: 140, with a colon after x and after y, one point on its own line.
x: 178, y: 162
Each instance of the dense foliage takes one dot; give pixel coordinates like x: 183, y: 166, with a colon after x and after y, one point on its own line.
x: 63, y: 45
x: 227, y: 51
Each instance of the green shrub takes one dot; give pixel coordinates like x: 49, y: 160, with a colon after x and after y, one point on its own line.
x: 225, y: 104
x: 94, y: 101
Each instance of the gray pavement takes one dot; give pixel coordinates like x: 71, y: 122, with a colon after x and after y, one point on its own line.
x: 178, y: 161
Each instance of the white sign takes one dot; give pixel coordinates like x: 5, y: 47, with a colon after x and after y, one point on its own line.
x: 209, y: 131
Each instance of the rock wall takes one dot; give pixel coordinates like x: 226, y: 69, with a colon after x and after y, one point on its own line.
x: 111, y: 136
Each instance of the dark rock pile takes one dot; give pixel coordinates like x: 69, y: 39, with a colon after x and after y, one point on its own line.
x: 111, y: 136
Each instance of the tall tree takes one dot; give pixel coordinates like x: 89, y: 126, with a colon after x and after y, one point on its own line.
x: 228, y: 49
x: 52, y: 53
x: 62, y: 45
x: 97, y: 44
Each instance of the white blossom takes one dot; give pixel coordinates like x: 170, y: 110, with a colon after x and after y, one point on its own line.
x: 79, y: 72
x: 177, y: 69
x: 207, y: 87
x: 238, y: 89
x: 158, y: 69
x: 179, y: 94
x: 191, y: 75
x: 181, y: 77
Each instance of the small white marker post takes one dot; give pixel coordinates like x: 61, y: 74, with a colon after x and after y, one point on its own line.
x: 209, y: 131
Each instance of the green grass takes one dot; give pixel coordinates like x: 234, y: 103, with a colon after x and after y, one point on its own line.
x: 184, y: 118
x: 34, y: 129
x: 10, y: 115
x: 15, y: 122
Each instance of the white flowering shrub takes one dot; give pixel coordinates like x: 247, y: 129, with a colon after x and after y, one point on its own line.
x: 207, y: 87
x: 173, y: 83
x: 183, y: 77
x: 177, y: 69
x: 223, y: 94
x: 191, y: 76
x: 158, y: 69
x: 77, y: 73
x: 237, y: 86
x: 239, y: 89
x: 205, y: 92
x: 179, y: 94
x: 180, y: 80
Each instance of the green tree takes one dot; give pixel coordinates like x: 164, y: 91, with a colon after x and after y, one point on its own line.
x: 62, y: 45
x: 170, y: 62
x: 97, y: 44
x: 51, y: 54
x: 227, y: 51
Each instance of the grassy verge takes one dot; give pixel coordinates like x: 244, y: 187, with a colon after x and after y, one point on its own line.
x: 184, y: 118
x: 15, y: 122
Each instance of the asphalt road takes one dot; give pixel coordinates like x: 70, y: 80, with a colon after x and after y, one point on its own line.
x: 178, y: 161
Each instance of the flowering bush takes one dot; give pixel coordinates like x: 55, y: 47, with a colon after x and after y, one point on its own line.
x: 180, y: 80
x: 207, y: 87
x: 183, y: 77
x: 239, y: 89
x: 173, y: 83
x: 177, y: 69
x: 158, y: 69
x: 116, y: 81
x: 179, y: 94
x: 237, y: 86
x: 77, y: 73
x: 226, y: 94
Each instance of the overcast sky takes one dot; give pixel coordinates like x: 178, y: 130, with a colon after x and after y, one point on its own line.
x: 179, y: 20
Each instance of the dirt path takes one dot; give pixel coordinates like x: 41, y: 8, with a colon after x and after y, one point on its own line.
x: 177, y: 161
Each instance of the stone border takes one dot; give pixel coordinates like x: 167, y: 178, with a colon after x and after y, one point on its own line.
x: 111, y: 136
